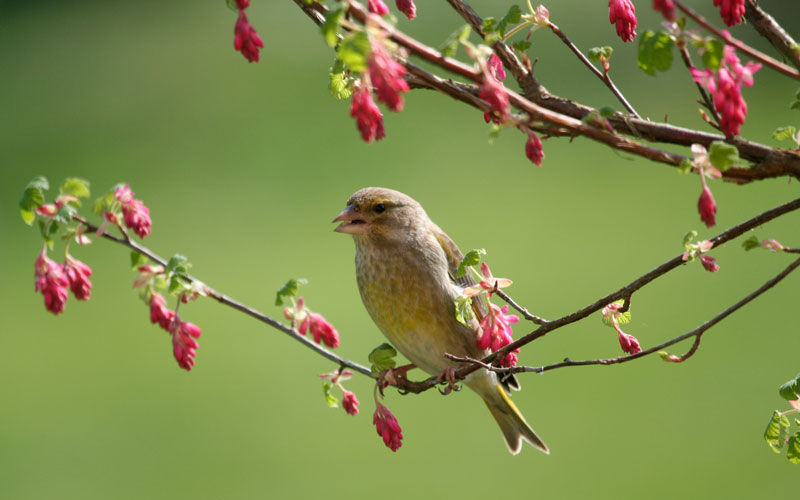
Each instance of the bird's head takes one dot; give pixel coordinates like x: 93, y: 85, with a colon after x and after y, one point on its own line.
x: 380, y: 213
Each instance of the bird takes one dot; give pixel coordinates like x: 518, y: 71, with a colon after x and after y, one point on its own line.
x: 406, y: 274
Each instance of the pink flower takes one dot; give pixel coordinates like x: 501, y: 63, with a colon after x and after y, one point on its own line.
x: 488, y: 283
x: 78, y: 276
x: 322, y: 330
x: 242, y: 4
x: 52, y: 282
x: 496, y: 67
x: 710, y: 263
x: 135, y: 214
x: 623, y: 13
x: 377, y: 7
x: 368, y: 117
x: 533, y: 149
x: 494, y: 93
x: 743, y: 74
x: 408, y: 8
x: 772, y: 245
x: 159, y: 312
x: 707, y: 206
x: 388, y: 427
x: 666, y: 7
x: 731, y: 11
x: 386, y: 75
x: 184, y: 345
x: 629, y: 343
x: 245, y: 38
x: 349, y: 402
x: 497, y: 332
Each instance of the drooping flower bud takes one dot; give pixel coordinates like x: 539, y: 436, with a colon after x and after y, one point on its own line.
x: 710, y: 263
x: 623, y: 13
x: 707, y: 207
x: 135, y: 214
x: 52, y: 282
x: 731, y: 11
x: 533, y: 149
x: 666, y: 7
x: 408, y: 8
x: 78, y: 275
x: 387, y: 426
x: 245, y: 38
x: 349, y: 402
x: 386, y: 75
x: 377, y: 7
x: 494, y: 93
x: 369, y: 119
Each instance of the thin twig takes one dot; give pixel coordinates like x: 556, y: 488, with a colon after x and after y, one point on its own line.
x: 727, y: 38
x: 687, y: 61
x: 772, y: 31
x: 527, y: 315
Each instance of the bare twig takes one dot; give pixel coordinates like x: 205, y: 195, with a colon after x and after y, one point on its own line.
x: 687, y: 61
x: 772, y: 31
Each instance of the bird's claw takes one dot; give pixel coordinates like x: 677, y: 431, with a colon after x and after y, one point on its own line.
x: 448, y: 376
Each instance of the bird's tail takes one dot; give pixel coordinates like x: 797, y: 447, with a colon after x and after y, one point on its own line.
x: 510, y: 420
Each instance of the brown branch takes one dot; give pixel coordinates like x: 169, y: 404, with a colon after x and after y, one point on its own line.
x: 527, y: 315
x: 727, y: 38
x: 772, y: 31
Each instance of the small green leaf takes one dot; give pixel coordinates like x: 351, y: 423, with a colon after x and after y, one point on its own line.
x: 489, y: 25
x: 513, y: 16
x: 595, y: 53
x: 777, y: 428
x: 686, y: 166
x: 691, y: 235
x: 354, y: 50
x: 178, y: 264
x: 712, y: 54
x: 790, y: 390
x: 329, y: 398
x: 107, y: 202
x: 521, y: 45
x: 232, y: 5
x: 751, y: 243
x: 330, y: 27
x: 138, y: 259
x: 655, y: 52
x: 796, y: 103
x: 76, y: 187
x: 382, y: 358
x: 32, y: 198
x: 607, y: 111
x: 472, y: 258
x: 464, y: 309
x: 339, y: 85
x: 784, y: 133
x: 450, y: 46
x: 289, y: 289
x: 723, y: 155
x: 622, y: 318
x: 793, y: 448
x: 64, y: 214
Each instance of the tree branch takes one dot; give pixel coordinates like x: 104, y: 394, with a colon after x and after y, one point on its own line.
x: 772, y: 31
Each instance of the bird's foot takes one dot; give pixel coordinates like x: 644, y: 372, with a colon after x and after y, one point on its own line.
x: 392, y: 376
x: 448, y: 376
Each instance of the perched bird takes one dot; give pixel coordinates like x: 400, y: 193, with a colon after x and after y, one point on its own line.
x: 405, y: 268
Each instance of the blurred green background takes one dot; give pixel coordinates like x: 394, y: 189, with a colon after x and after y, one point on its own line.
x: 244, y: 165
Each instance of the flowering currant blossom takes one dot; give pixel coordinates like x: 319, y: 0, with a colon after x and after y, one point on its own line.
x: 533, y: 149
x: 628, y: 343
x: 377, y: 7
x: 159, y: 312
x: 369, y: 119
x: 242, y: 4
x: 349, y: 402
x: 487, y: 284
x: 408, y: 8
x: 387, y: 426
x: 52, y: 282
x: 497, y: 332
x: 386, y: 75
x: 493, y: 91
x: 135, y: 214
x: 245, y: 38
x: 772, y: 245
x: 707, y: 206
x: 666, y: 7
x: 623, y: 13
x: 709, y: 263
x: 78, y: 275
x: 725, y: 87
x: 184, y: 345
x: 731, y: 11
x: 320, y: 328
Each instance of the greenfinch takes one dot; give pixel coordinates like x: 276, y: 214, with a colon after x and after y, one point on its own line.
x: 405, y: 268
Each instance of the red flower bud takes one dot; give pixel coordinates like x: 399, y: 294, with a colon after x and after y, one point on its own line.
x: 52, y: 282
x: 533, y: 149
x: 369, y: 119
x: 78, y: 275
x: 245, y: 38
x: 408, y: 8
x: 707, y: 207
x: 710, y: 263
x: 387, y: 426
x: 349, y: 402
x: 377, y: 7
x: 731, y: 11
x: 623, y: 13
x: 666, y: 7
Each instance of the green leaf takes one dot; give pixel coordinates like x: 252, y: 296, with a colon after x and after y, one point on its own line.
x: 607, y: 111
x: 472, y: 258
x: 464, y: 309
x: 339, y: 85
x: 382, y: 358
x: 107, y: 202
x: 330, y: 27
x: 489, y: 25
x: 712, y: 54
x: 354, y: 50
x: 775, y: 435
x: 796, y: 103
x: 232, y: 5
x: 32, y: 198
x: 691, y: 235
x: 595, y: 53
x: 655, y: 52
x: 178, y: 264
x: 723, y: 155
x: 784, y: 133
x: 329, y: 398
x: 790, y: 390
x: 450, y: 46
x: 686, y: 166
x: 138, y: 259
x: 622, y: 318
x: 793, y: 448
x: 289, y: 289
x: 521, y: 45
x: 76, y: 187
x: 513, y: 16
x: 751, y: 243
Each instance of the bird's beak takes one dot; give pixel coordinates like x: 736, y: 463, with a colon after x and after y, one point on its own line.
x: 351, y: 222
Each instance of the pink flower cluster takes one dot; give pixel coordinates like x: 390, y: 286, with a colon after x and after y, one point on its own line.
x: 494, y: 92
x: 53, y: 280
x: 320, y: 328
x: 731, y: 11
x: 623, y: 13
x: 387, y: 426
x: 184, y: 334
x: 725, y: 87
x: 134, y: 213
x: 349, y: 400
x: 533, y: 149
x: 245, y: 38
x: 666, y: 7
x: 379, y: 7
x: 369, y: 119
x: 497, y: 332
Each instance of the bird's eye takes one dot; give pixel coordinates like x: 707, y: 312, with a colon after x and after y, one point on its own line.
x: 380, y: 207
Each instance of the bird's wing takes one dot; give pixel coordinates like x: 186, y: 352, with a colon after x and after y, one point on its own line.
x: 454, y: 257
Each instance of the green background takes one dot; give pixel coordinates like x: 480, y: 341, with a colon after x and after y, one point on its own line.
x: 244, y: 165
